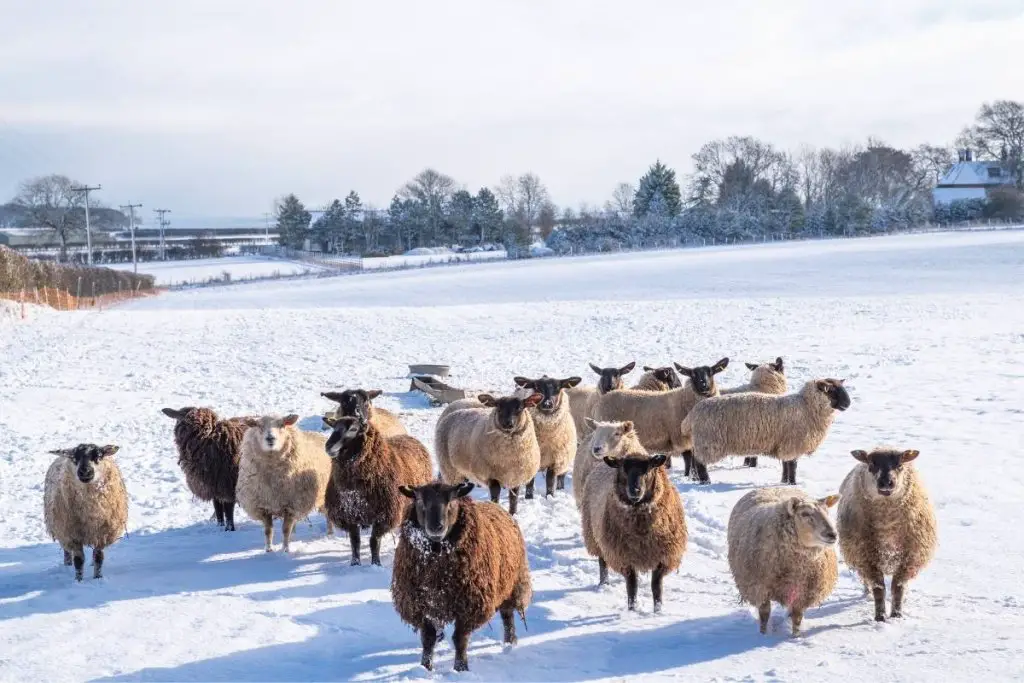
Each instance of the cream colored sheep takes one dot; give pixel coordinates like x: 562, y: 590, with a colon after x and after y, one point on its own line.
x: 781, y: 549
x: 766, y: 378
x: 658, y: 379
x: 658, y: 415
x: 607, y: 439
x: 582, y: 399
x: 886, y: 523
x: 495, y: 445
x: 355, y: 402
x: 282, y: 472
x: 555, y: 428
x: 85, y: 503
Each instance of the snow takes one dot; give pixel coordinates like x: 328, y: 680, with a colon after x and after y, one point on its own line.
x: 169, y: 273
x: 927, y: 331
x: 425, y: 256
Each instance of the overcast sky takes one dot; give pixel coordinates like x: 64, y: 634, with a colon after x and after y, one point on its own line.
x: 218, y: 111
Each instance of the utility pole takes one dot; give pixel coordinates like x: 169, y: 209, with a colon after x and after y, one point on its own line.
x: 163, y: 223
x: 88, y: 233
x: 266, y: 217
x: 131, y: 226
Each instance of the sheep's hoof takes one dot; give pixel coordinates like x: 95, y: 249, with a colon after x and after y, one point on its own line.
x: 879, y: 617
x: 355, y: 562
x: 461, y: 665
x: 426, y: 663
x: 269, y: 549
x: 657, y: 608
x: 896, y: 615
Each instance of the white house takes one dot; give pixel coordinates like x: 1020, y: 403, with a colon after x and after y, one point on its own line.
x: 970, y: 179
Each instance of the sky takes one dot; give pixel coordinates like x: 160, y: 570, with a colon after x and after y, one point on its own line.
x: 218, y: 108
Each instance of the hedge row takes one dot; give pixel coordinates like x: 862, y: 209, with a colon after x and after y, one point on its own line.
x: 18, y: 273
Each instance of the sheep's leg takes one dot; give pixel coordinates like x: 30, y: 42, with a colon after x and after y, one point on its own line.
x: 792, y: 472
x: 428, y: 638
x: 687, y: 463
x: 702, y: 472
x: 218, y: 512
x: 876, y: 579
x: 602, y: 572
x: 797, y: 617
x: 631, y: 589
x: 78, y: 558
x: 354, y: 541
x: 560, y: 482
x: 513, y: 500
x: 508, y: 620
x: 764, y: 612
x: 375, y: 535
x: 229, y: 516
x: 461, y: 640
x: 495, y: 488
x: 67, y: 558
x: 97, y: 563
x: 750, y: 462
x: 529, y: 487
x: 656, y: 577
x: 287, y: 529
x: 899, y: 583
x: 549, y: 480
x: 330, y: 526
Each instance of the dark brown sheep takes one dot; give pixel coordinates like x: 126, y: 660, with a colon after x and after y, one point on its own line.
x: 366, y: 470
x: 208, y: 450
x: 458, y: 561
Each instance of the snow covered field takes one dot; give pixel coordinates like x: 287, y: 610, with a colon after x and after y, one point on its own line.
x: 928, y: 331
x: 169, y: 273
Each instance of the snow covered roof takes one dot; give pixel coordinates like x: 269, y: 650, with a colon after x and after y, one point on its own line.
x: 976, y: 173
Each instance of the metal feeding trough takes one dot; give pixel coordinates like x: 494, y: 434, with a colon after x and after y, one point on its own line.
x: 438, y: 391
x: 429, y: 369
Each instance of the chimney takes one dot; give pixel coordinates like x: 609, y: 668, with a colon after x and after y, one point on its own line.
x: 967, y: 153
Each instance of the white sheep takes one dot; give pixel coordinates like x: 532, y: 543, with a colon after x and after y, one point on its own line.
x: 555, y: 429
x: 766, y: 378
x: 582, y: 399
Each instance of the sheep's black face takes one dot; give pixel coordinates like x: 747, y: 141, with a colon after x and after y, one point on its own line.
x: 611, y: 378
x: 667, y: 376
x: 635, y: 479
x: 838, y: 397
x: 347, y: 437
x: 352, y: 402
x: 550, y: 390
x: 508, y: 410
x: 702, y: 378
x: 435, y: 507
x: 886, y: 468
x: 86, y: 456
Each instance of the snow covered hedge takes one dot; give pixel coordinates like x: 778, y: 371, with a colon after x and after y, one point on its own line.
x: 18, y: 273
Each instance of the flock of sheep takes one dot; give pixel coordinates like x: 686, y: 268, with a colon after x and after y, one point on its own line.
x: 459, y: 561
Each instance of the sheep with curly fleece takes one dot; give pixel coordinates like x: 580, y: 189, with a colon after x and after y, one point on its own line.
x: 766, y: 378
x: 208, y: 455
x: 607, y: 439
x: 658, y: 379
x: 367, y: 469
x: 282, y: 473
x: 783, y: 427
x: 886, y: 523
x: 458, y: 562
x: 352, y: 402
x: 633, y: 521
x: 555, y: 428
x: 85, y: 503
x: 781, y: 549
x: 582, y: 399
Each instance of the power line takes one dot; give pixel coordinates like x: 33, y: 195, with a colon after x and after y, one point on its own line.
x: 88, y: 232
x: 131, y: 226
x: 163, y: 224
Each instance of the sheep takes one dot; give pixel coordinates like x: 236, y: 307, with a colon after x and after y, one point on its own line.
x: 633, y: 521
x: 282, y: 472
x: 886, y: 523
x: 766, y: 378
x: 458, y: 561
x: 85, y: 503
x: 354, y: 402
x: 658, y: 379
x: 783, y: 427
x: 606, y: 439
x: 582, y: 399
x: 555, y: 429
x: 495, y: 445
x: 208, y: 455
x: 781, y: 548
x: 658, y: 415
x: 367, y: 469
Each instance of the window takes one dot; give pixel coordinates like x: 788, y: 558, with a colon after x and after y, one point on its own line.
x: 995, y: 172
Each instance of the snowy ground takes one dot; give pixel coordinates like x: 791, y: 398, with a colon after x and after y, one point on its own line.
x: 927, y: 330
x: 196, y: 271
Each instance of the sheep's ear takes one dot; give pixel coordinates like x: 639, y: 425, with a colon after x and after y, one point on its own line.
x: 862, y: 456
x: 570, y: 382
x: 751, y: 366
x: 374, y: 393
x: 686, y: 371
x: 791, y: 505
x: 657, y: 460
x: 523, y: 382
x: 627, y: 426
x: 627, y: 368
x: 462, y: 490
x: 331, y: 396
x: 172, y: 413
x: 329, y: 422
x: 595, y: 368
x: 532, y: 400
x: 289, y: 420
x: 823, y: 386
x: 907, y: 456
x: 64, y: 452
x: 590, y: 422
x: 719, y: 366
x: 648, y: 368
x: 829, y: 501
x: 487, y: 400
x: 612, y: 462
x: 407, y: 491
x: 778, y: 364
x: 109, y: 450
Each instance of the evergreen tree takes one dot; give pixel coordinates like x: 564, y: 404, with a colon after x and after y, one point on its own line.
x: 459, y: 226
x: 292, y: 222
x: 327, y: 229
x: 487, y: 216
x: 659, y: 179
x: 351, y: 223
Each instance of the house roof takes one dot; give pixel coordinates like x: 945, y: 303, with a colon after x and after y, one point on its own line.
x: 976, y: 174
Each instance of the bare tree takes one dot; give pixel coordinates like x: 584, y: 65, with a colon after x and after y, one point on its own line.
x: 522, y: 198
x: 431, y: 190
x: 998, y: 133
x: 759, y: 160
x: 48, y: 202
x: 931, y: 161
x: 622, y: 200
